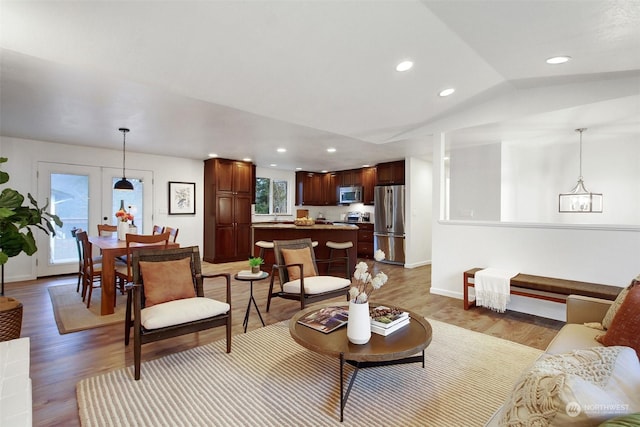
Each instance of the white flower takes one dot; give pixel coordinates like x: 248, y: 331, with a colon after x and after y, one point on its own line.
x: 353, y: 292
x: 362, y: 267
x: 379, y: 255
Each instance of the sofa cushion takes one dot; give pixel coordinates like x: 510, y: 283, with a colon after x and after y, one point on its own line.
x: 316, y: 284
x: 181, y: 311
x: 625, y: 326
x: 608, y: 318
x: 584, y: 387
x: 573, y: 337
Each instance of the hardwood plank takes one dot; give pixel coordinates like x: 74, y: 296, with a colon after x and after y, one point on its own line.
x: 58, y: 362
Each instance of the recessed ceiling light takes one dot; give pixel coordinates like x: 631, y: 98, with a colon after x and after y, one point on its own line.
x: 558, y: 60
x: 324, y: 171
x: 273, y: 165
x: 213, y: 155
x: 246, y: 159
x: 331, y: 150
x: 446, y: 92
x: 404, y: 66
x: 281, y: 150
x: 366, y: 166
x: 298, y: 169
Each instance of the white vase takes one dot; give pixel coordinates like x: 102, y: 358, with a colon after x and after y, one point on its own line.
x: 359, y: 325
x: 123, y: 229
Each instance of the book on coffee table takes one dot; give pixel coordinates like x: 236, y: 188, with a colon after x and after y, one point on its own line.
x: 388, y: 331
x: 385, y: 317
x: 326, y: 319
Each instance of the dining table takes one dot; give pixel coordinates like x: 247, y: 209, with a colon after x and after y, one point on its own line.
x: 111, y: 248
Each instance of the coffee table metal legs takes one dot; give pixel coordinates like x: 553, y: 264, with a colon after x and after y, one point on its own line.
x: 246, y: 316
x: 357, y: 365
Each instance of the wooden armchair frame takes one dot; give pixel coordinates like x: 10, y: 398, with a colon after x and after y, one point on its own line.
x: 136, y: 302
x: 280, y: 269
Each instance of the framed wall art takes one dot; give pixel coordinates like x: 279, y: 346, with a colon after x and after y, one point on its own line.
x: 182, y: 198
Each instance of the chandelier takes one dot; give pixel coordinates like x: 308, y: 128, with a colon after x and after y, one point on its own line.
x: 579, y: 199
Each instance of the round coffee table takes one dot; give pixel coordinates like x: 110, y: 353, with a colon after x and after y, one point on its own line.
x: 402, y: 346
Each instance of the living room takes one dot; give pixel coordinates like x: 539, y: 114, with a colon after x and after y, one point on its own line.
x: 592, y: 252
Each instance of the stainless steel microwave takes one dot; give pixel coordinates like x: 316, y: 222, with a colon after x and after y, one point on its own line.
x: 350, y: 194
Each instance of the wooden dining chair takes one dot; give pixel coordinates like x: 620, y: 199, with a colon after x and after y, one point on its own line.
x: 74, y: 232
x: 123, y: 272
x: 107, y: 229
x: 157, y: 229
x: 92, y: 271
x: 173, y: 232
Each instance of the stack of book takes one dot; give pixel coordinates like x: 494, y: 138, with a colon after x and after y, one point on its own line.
x: 385, y: 320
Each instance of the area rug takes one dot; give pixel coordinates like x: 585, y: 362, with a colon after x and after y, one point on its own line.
x: 72, y: 315
x: 269, y: 380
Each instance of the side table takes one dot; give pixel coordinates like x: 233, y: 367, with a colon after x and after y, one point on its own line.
x: 250, y: 278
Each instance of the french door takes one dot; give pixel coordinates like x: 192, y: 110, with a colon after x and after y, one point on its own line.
x: 83, y: 196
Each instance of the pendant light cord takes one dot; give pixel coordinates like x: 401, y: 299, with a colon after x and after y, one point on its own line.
x: 581, y: 130
x: 124, y: 149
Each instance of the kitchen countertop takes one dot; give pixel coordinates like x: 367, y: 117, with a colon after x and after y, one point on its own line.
x: 330, y: 226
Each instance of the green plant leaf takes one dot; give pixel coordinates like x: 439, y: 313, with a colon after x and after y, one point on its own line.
x: 10, y: 198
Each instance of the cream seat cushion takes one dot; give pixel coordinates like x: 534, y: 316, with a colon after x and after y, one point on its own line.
x: 574, y: 337
x: 181, y: 311
x: 316, y: 284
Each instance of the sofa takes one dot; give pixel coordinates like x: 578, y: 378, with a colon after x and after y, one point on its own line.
x: 588, y: 375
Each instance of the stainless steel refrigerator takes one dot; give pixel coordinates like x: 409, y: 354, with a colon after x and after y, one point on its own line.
x: 388, y: 231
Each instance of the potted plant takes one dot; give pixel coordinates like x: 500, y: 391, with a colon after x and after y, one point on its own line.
x: 255, y: 263
x: 16, y: 235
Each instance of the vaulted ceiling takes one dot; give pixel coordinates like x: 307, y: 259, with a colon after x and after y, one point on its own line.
x: 243, y: 78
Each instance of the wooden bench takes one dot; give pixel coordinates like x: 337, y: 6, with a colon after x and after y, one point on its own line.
x: 546, y: 288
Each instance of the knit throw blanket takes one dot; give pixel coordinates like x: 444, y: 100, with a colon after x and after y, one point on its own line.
x: 493, y: 288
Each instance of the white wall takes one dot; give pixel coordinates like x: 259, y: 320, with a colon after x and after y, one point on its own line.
x: 419, y: 212
x: 24, y: 156
x: 608, y: 256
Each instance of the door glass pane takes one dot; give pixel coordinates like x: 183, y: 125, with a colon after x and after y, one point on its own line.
x: 132, y: 200
x: 70, y: 201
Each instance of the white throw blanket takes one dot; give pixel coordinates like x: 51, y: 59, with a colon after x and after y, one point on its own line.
x: 492, y: 288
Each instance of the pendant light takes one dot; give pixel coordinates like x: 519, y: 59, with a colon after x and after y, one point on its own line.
x: 579, y: 199
x: 123, y: 184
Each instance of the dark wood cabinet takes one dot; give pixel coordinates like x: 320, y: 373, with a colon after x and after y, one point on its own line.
x: 229, y: 187
x: 368, y: 185
x: 390, y: 173
x: 351, y: 177
x: 317, y: 189
x: 365, y: 240
x: 331, y: 184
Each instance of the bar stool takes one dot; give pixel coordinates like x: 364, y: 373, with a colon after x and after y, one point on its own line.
x: 342, y: 261
x: 264, y: 245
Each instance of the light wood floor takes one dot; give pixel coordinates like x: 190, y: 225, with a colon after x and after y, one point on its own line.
x: 58, y: 362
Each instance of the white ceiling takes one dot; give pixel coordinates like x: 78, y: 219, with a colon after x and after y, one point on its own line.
x: 242, y: 78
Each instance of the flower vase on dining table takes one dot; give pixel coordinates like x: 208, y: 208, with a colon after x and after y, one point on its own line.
x: 359, y: 324
x: 123, y: 229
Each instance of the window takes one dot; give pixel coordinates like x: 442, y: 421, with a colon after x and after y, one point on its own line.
x: 271, y: 196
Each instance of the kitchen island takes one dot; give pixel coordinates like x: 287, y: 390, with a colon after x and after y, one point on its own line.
x: 322, y: 233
